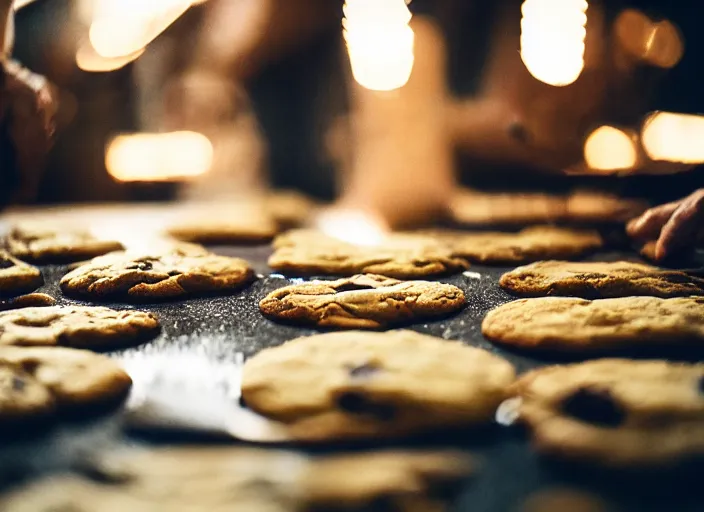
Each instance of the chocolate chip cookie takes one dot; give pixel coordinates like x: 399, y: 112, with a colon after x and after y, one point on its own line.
x: 17, y: 277
x: 40, y: 242
x: 578, y: 325
x: 400, y: 256
x: 593, y: 280
x: 76, y: 326
x: 615, y: 412
x: 22, y: 398
x: 75, y: 378
x: 358, y: 384
x: 31, y: 300
x: 289, y: 208
x: 157, y: 275
x: 364, y: 301
x: 531, y: 244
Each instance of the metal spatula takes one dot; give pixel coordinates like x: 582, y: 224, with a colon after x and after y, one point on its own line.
x: 190, y: 392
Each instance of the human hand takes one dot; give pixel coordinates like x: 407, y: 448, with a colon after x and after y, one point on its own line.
x: 676, y: 226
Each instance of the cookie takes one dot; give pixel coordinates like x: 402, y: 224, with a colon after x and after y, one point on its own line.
x: 530, y: 244
x: 578, y: 325
x: 17, y: 277
x: 174, y: 479
x: 224, y: 224
x: 75, y: 378
x: 475, y: 208
x: 31, y: 300
x: 396, y: 478
x: 362, y: 302
x: 593, y: 280
x: 76, y: 326
x: 290, y: 209
x: 615, y: 412
x: 39, y: 242
x: 157, y: 275
x: 400, y: 256
x: 358, y: 384
x: 22, y: 397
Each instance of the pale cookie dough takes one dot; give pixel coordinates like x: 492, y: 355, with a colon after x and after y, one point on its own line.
x: 75, y: 378
x: 363, y: 301
x: 42, y: 242
x: 578, y: 325
x: 17, y: 277
x: 530, y: 244
x: 157, y: 275
x: 76, y: 326
x: 358, y: 384
x: 593, y: 280
x: 400, y: 256
x: 615, y: 412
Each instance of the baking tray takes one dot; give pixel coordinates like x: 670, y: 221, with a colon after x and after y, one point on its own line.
x: 224, y: 326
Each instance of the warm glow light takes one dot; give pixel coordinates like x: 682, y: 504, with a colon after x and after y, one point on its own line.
x: 674, y: 137
x: 610, y: 149
x: 88, y: 59
x: 158, y: 156
x: 552, y: 39
x: 124, y: 27
x: 352, y: 226
x: 380, y: 42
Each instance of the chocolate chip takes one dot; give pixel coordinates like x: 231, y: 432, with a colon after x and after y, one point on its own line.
x: 141, y: 265
x: 5, y: 263
x: 356, y: 403
x: 363, y: 371
x: 18, y: 384
x: 350, y: 287
x: 595, y: 406
x: 701, y: 385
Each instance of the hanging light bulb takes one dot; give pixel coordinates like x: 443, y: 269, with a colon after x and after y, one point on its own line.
x: 552, y: 39
x: 380, y: 42
x: 672, y: 137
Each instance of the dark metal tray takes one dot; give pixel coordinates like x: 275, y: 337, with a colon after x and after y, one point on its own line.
x: 510, y: 470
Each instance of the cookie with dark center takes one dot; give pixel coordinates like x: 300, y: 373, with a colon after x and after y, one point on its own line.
x: 178, y: 271
x: 615, y: 412
x: 91, y: 327
x: 363, y: 302
x: 41, y: 242
x: 594, y: 280
x: 360, y: 384
x: 17, y: 277
x: 573, y: 325
x: 22, y: 397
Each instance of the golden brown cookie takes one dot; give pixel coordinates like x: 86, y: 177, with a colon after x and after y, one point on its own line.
x: 76, y: 326
x: 530, y: 244
x: 475, y: 208
x: 75, y: 378
x: 353, y: 482
x: 290, y: 209
x: 363, y: 301
x: 157, y: 275
x: 358, y: 384
x: 42, y: 242
x: 225, y: 224
x: 17, y: 277
x: 31, y: 300
x: 578, y: 325
x: 22, y: 397
x: 593, y: 280
x: 400, y: 256
x: 615, y: 412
